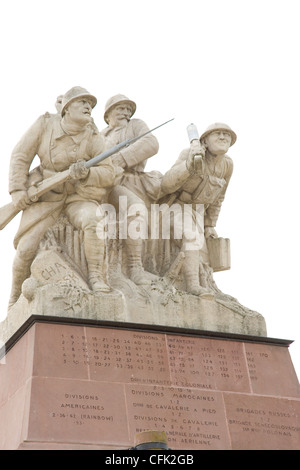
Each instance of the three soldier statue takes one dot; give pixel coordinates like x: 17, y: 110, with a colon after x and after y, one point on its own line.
x: 76, y: 185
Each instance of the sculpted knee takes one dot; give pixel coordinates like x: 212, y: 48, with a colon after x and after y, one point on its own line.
x: 26, y: 250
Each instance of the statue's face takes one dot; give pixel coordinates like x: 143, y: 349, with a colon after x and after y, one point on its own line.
x: 80, y: 111
x: 218, y: 142
x: 119, y: 114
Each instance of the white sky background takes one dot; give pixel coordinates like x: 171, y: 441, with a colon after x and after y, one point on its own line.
x: 200, y: 61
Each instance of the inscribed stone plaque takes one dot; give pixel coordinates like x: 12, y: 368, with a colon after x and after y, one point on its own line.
x: 50, y: 267
x: 127, y: 356
x: 209, y: 364
x: 60, y: 351
x: 66, y: 410
x: 192, y: 419
x: 263, y: 423
x: 271, y: 370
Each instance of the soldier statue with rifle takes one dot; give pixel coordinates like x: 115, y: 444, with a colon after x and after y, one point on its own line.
x: 63, y: 143
x: 138, y: 187
x: 74, y: 177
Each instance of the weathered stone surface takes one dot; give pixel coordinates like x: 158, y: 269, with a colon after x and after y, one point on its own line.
x: 88, y: 387
x: 152, y: 305
x: 191, y: 418
x: 77, y: 411
x: 263, y: 423
x: 49, y: 267
x: 96, y: 238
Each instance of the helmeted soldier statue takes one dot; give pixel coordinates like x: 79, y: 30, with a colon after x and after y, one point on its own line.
x: 135, y: 184
x: 61, y: 141
x: 200, y: 176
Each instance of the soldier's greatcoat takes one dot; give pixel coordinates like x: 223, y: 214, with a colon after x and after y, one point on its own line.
x: 206, y: 186
x: 57, y: 150
x: 144, y: 184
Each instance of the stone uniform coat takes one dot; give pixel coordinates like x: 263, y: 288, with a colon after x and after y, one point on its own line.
x: 135, y: 156
x: 57, y: 151
x: 208, y: 186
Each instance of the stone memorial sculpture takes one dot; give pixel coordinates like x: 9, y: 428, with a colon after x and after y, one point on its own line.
x: 200, y: 176
x: 61, y: 142
x: 67, y: 264
x: 134, y: 185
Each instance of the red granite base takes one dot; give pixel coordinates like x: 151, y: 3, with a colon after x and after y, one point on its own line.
x: 66, y: 386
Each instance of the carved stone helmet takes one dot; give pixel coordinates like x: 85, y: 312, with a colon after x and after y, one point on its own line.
x: 76, y: 93
x: 219, y: 126
x: 118, y: 99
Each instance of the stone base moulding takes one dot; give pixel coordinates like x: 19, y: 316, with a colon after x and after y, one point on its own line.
x: 152, y: 307
x: 94, y: 385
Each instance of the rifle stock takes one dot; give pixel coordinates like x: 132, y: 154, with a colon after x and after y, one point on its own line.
x: 9, y: 211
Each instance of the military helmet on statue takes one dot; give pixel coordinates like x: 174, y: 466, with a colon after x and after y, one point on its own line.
x: 76, y: 93
x: 118, y: 99
x: 219, y: 126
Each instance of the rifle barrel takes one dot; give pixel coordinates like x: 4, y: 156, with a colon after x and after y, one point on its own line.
x: 8, y: 212
x: 108, y: 153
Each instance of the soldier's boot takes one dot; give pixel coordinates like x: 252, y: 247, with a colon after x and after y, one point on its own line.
x: 94, y: 253
x: 20, y: 272
x: 136, y: 272
x: 191, y: 275
x: 96, y: 280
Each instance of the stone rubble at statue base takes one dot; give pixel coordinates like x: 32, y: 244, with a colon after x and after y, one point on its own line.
x: 58, y: 287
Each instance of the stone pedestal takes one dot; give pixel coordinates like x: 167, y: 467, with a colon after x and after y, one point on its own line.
x: 79, y: 384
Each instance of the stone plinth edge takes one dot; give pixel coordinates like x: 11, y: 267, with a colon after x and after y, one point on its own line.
x: 13, y: 339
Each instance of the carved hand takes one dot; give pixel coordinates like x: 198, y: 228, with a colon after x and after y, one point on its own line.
x: 20, y: 200
x: 194, y: 161
x: 209, y: 232
x: 118, y: 160
x: 78, y: 170
x: 197, y: 148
